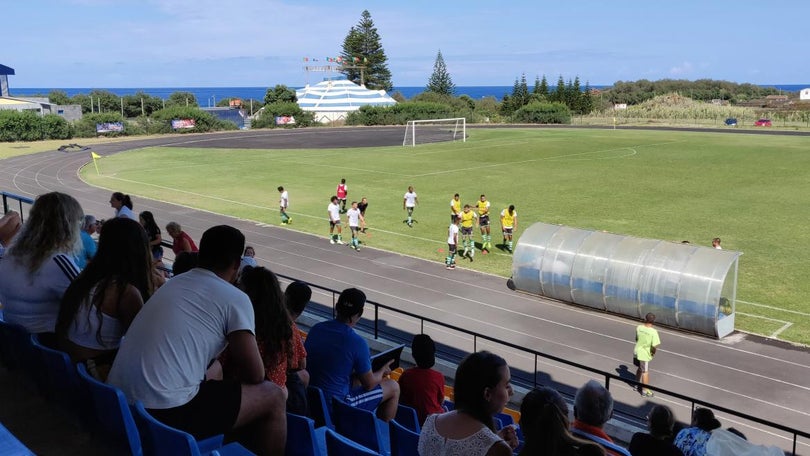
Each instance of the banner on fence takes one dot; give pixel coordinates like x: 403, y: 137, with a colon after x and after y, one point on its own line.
x: 285, y: 120
x: 108, y: 127
x: 177, y: 124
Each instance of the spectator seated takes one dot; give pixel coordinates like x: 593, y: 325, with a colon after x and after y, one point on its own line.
x: 593, y: 407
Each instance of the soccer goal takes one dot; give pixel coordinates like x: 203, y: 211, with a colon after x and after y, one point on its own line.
x: 435, y: 130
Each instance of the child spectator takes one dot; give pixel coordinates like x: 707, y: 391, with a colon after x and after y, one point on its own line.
x: 101, y: 303
x: 659, y: 441
x: 184, y: 262
x: 296, y: 298
x: 422, y: 387
x: 692, y: 440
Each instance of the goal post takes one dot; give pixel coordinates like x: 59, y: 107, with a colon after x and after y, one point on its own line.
x: 435, y: 130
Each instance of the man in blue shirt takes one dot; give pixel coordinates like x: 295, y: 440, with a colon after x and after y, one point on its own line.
x: 338, y: 361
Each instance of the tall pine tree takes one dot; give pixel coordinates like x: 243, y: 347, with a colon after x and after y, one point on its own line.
x: 440, y: 81
x: 362, y: 47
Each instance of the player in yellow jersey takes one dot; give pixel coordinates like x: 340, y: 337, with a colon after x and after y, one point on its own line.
x: 483, y: 223
x: 455, y: 208
x: 508, y: 226
x: 468, y: 218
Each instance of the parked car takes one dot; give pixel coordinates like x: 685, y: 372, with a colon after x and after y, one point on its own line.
x: 731, y: 122
x: 763, y: 123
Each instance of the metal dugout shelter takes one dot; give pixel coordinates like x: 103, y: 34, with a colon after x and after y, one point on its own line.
x: 686, y: 286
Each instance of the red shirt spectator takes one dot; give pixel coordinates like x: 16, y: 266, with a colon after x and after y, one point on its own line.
x: 422, y: 389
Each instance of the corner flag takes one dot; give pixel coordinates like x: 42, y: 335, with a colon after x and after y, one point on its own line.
x: 95, y: 158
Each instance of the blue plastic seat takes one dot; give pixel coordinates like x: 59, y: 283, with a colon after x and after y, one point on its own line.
x: 337, y: 445
x: 318, y: 407
x: 404, y: 442
x: 407, y: 417
x: 10, y: 445
x: 112, y: 412
x: 302, y: 437
x: 161, y: 440
x: 16, y: 349
x: 361, y: 426
x: 59, y: 378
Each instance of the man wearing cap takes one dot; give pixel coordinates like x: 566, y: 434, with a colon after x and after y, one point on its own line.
x: 338, y: 360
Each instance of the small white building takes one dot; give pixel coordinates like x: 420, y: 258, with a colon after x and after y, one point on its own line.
x: 333, y: 100
x: 804, y: 94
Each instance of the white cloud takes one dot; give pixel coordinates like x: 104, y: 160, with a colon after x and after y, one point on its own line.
x: 683, y: 69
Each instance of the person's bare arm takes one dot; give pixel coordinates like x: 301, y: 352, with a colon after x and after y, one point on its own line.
x: 244, y: 357
x: 371, y: 379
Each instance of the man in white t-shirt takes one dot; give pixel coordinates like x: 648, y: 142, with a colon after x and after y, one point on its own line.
x: 409, y: 202
x: 452, y: 243
x: 355, y: 218
x: 334, y: 221
x: 184, y: 326
x: 283, y: 203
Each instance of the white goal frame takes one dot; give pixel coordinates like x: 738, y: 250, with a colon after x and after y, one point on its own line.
x: 456, y: 126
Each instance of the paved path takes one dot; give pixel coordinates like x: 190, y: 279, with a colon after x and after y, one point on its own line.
x: 770, y: 380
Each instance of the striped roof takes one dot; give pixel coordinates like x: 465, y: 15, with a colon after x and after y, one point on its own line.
x: 340, y: 96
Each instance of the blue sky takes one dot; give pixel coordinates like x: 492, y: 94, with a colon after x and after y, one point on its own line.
x: 201, y: 43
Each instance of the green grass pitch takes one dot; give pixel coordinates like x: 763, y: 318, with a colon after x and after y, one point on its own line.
x: 753, y: 191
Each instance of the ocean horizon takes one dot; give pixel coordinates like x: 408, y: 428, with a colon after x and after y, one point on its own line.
x: 208, y: 96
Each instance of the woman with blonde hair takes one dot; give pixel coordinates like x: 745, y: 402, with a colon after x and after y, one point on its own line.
x: 38, y: 267
x: 544, y: 422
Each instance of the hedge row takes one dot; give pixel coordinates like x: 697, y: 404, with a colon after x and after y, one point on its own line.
x: 543, y: 113
x: 401, y: 113
x: 30, y: 126
x: 267, y: 115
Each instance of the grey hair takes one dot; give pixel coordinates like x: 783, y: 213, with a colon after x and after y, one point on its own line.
x: 173, y: 226
x: 593, y: 404
x: 89, y: 221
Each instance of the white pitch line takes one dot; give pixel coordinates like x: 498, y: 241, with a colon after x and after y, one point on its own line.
x: 775, y: 334
x: 804, y: 314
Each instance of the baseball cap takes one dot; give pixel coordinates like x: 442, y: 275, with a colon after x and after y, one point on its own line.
x: 350, y: 302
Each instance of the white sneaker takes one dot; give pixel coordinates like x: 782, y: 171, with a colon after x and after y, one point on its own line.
x: 331, y: 241
x: 340, y: 242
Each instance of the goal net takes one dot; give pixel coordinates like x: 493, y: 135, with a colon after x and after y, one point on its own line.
x: 435, y: 130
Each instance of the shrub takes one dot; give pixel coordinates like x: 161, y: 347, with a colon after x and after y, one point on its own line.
x: 543, y: 113
x: 401, y: 113
x: 267, y: 116
x: 20, y: 126
x: 55, y: 127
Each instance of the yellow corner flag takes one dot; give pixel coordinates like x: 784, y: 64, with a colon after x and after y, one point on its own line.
x: 95, y: 157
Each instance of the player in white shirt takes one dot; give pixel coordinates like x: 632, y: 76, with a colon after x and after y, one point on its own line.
x: 283, y: 203
x: 334, y: 221
x: 355, y: 217
x: 409, y: 203
x: 452, y: 243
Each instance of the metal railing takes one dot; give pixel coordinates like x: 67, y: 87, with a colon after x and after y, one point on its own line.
x: 607, y: 376
x: 7, y: 197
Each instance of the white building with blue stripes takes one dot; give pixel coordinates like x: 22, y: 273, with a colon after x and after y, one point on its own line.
x: 333, y: 100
